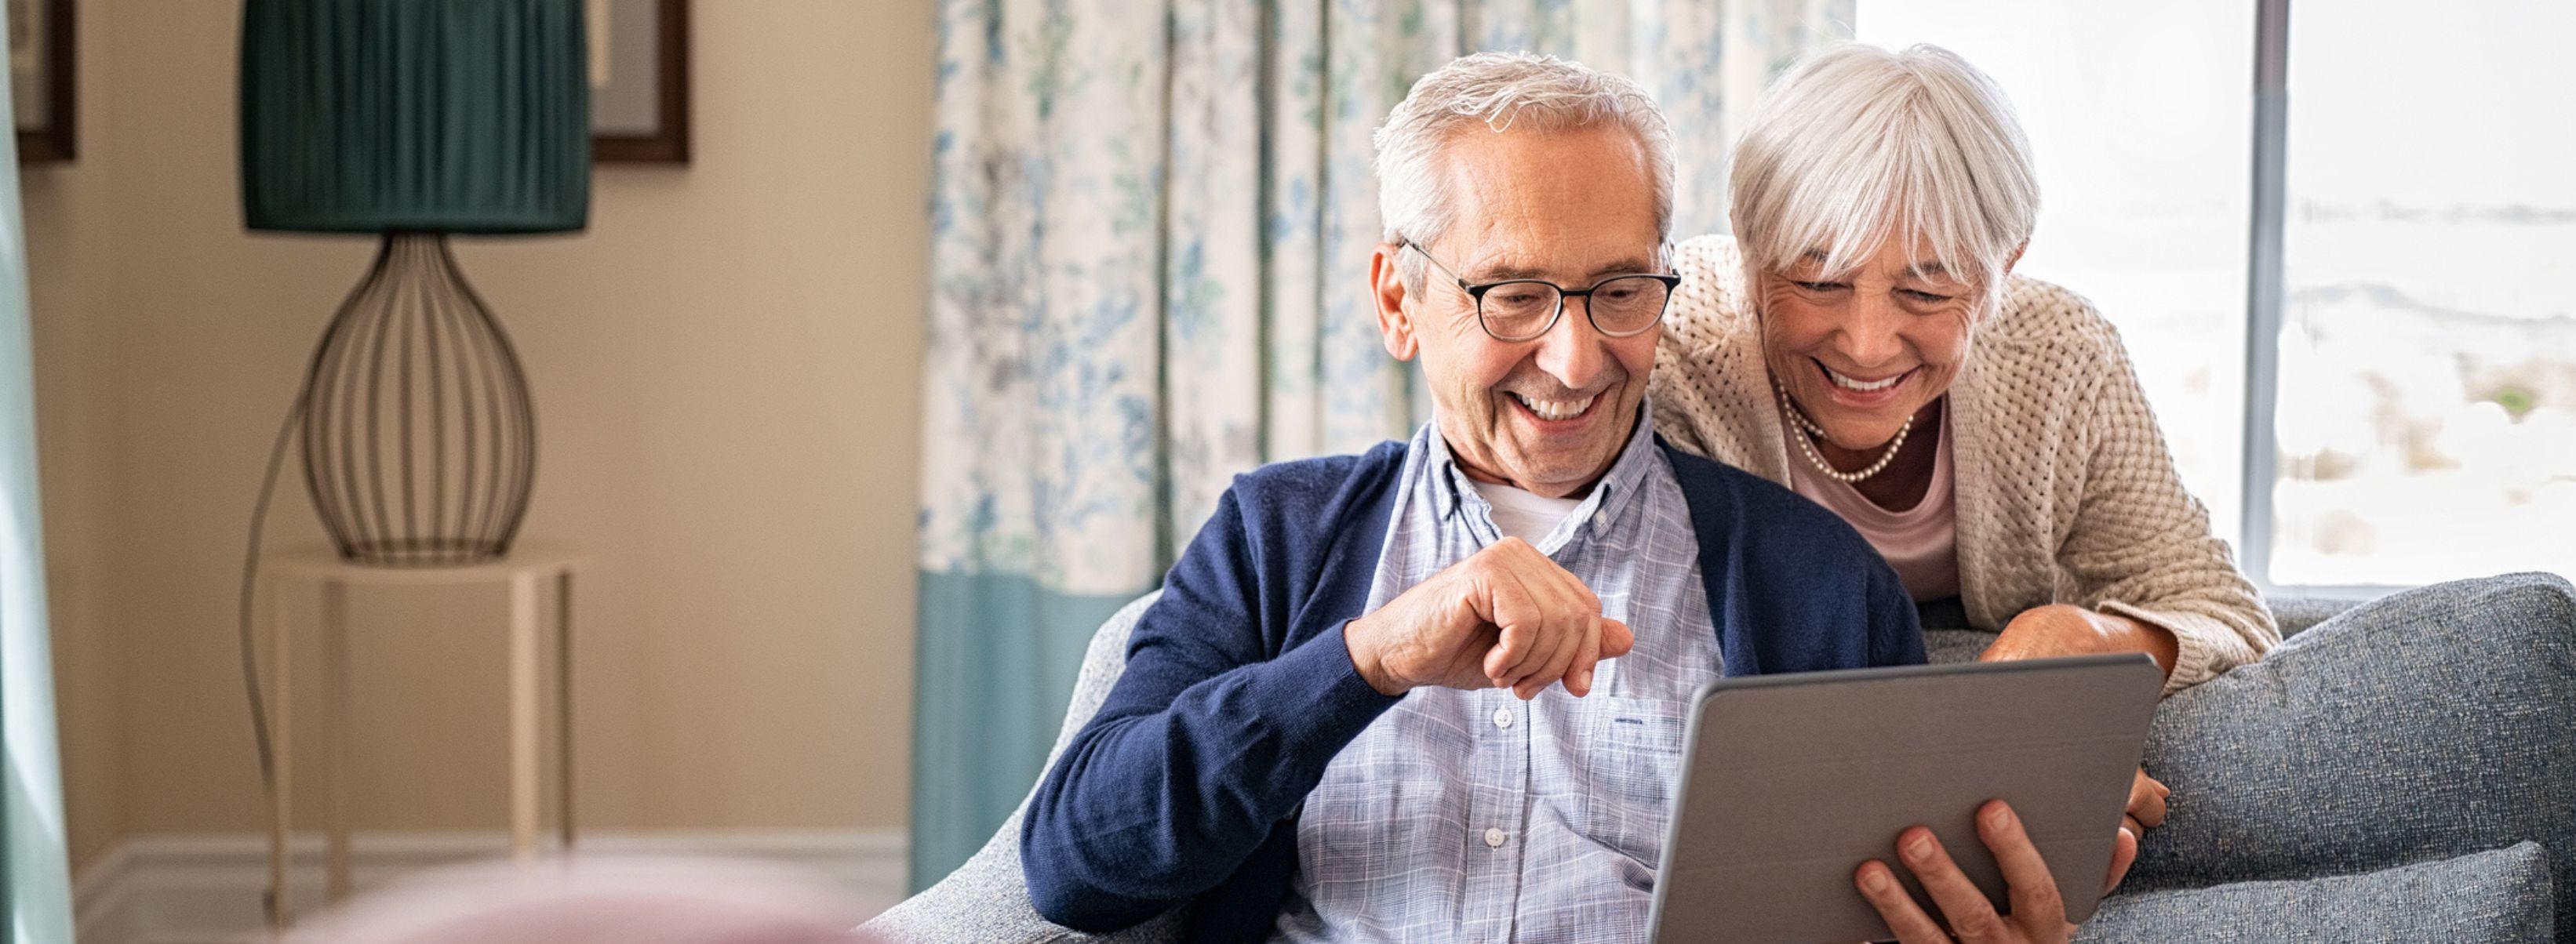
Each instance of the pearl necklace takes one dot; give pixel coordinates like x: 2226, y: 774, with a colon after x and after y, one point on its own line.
x: 1810, y: 429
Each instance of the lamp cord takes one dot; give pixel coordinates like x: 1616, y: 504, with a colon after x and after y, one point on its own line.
x: 249, y: 592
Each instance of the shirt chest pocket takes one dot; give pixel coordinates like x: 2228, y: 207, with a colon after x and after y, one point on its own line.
x: 1632, y: 763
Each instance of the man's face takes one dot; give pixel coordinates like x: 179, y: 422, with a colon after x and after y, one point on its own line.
x: 1548, y: 414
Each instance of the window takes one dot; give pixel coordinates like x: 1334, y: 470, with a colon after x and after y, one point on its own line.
x: 2427, y: 397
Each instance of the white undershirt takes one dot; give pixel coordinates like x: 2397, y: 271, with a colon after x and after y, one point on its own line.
x: 1520, y: 513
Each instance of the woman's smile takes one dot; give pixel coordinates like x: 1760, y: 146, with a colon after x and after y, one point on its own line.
x: 1863, y: 393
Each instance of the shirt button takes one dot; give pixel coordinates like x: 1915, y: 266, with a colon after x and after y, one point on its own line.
x: 1502, y: 717
x: 1494, y: 838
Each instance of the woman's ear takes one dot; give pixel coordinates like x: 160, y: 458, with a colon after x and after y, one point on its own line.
x: 1386, y: 288
x: 1994, y: 300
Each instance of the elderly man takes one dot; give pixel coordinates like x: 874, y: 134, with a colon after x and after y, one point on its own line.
x: 1437, y: 691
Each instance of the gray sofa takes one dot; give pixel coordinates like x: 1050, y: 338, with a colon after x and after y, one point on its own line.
x: 2398, y: 772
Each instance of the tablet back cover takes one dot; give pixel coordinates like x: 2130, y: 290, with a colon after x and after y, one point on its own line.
x: 1793, y: 781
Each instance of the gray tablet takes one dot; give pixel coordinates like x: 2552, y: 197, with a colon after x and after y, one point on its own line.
x: 1792, y: 781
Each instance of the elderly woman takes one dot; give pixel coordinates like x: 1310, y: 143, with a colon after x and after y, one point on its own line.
x: 1862, y: 340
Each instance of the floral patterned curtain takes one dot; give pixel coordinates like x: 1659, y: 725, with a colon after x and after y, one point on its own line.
x: 1151, y: 227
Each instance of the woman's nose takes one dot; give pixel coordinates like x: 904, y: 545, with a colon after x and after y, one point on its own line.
x: 1869, y: 337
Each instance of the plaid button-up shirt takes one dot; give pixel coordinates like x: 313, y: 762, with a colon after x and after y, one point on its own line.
x: 1474, y: 816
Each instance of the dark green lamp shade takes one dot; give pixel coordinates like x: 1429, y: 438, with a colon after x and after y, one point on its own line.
x: 465, y: 116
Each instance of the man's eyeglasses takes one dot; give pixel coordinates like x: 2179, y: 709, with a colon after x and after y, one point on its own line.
x: 1523, y: 309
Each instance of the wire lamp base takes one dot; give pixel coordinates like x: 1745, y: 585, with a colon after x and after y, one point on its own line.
x: 419, y: 438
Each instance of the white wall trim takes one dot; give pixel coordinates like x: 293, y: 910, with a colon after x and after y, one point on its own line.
x: 206, y: 889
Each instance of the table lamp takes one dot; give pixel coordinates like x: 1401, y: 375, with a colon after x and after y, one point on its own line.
x: 414, y: 120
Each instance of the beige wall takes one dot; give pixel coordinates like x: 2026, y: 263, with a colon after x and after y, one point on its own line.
x: 726, y: 368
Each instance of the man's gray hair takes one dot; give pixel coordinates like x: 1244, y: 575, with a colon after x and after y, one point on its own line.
x: 1500, y: 91
x: 1856, y: 144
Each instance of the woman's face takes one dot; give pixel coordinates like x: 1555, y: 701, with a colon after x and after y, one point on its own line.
x: 1862, y: 351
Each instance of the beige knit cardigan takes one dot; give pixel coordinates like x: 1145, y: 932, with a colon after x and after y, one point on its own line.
x: 2063, y: 487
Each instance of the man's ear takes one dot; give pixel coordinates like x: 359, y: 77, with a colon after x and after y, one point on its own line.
x: 1386, y: 288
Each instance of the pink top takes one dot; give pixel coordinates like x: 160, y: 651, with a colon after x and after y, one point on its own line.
x: 1921, y: 542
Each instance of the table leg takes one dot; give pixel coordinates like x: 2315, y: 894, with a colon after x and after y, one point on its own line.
x: 281, y: 895
x: 335, y: 742
x: 563, y: 707
x: 523, y: 717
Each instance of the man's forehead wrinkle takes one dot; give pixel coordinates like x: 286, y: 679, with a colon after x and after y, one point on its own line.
x: 1498, y: 249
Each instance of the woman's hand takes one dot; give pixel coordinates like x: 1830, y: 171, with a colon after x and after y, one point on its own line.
x: 2061, y: 629
x: 2037, y: 913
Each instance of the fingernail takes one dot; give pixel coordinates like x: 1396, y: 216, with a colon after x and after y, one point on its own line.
x: 1587, y: 679
x: 1874, y: 880
x: 1919, y: 848
x: 1999, y: 816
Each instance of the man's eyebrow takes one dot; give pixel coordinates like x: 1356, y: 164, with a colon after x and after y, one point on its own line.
x: 1506, y: 273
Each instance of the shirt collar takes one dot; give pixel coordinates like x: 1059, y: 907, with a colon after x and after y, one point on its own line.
x: 1450, y: 486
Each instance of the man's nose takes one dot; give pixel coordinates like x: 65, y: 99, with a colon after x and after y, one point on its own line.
x: 1571, y: 351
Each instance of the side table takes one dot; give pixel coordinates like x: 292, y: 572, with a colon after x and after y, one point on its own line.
x: 521, y: 572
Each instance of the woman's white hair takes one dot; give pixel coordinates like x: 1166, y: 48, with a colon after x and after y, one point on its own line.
x: 1499, y: 91
x: 1856, y: 145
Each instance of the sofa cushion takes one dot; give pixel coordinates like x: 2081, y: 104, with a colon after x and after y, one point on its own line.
x: 2423, y: 725
x: 2496, y: 896
x: 2295, y: 614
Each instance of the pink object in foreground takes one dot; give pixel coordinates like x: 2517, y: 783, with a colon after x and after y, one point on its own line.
x: 592, y: 899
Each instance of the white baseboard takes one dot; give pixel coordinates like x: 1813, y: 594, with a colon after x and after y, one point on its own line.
x: 207, y: 889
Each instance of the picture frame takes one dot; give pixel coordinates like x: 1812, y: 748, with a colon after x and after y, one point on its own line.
x: 41, y: 44
x: 639, y: 73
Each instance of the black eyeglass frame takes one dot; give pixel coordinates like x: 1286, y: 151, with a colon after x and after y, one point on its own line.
x: 1476, y: 293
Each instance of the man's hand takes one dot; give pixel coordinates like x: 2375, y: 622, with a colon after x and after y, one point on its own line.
x: 1507, y: 617
x: 2037, y: 914
x: 2146, y: 811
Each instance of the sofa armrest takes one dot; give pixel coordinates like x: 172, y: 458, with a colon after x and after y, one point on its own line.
x: 986, y: 901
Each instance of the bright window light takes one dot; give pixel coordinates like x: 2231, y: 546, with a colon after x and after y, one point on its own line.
x: 2427, y: 412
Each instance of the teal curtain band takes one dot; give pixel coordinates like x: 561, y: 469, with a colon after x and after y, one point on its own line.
x: 997, y: 660
x: 466, y: 116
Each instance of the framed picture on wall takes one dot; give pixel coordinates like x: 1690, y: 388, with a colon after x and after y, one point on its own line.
x: 639, y: 80
x: 40, y: 78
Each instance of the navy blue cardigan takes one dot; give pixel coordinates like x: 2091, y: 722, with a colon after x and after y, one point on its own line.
x: 1238, y: 688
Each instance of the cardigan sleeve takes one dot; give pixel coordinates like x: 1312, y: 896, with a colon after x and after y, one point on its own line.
x: 1205, y: 742
x: 2141, y: 545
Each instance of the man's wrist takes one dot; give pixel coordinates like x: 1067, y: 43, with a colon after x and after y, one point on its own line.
x: 1364, y: 659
